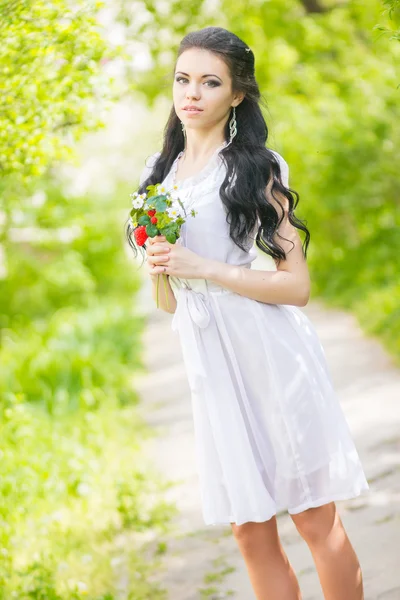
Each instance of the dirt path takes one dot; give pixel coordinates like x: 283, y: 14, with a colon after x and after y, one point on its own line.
x: 204, y: 562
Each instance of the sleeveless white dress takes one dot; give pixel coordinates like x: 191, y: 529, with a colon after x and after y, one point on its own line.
x: 270, y: 432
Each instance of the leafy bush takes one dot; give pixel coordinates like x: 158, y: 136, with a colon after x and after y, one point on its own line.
x: 62, y: 516
x: 74, y: 483
x: 52, y: 81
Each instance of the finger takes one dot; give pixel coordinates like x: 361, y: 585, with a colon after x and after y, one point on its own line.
x: 154, y: 260
x: 156, y: 255
x: 158, y: 249
x: 160, y: 270
x: 157, y: 238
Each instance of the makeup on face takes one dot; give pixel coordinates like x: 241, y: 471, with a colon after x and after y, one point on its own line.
x: 199, y: 85
x: 193, y: 109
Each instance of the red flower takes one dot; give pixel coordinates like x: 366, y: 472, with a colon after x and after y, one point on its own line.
x: 153, y: 220
x: 140, y: 235
x: 151, y: 212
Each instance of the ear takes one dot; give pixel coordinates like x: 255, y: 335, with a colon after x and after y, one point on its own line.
x: 237, y: 99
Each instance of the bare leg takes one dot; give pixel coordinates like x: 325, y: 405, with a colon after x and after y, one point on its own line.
x: 270, y: 572
x: 336, y: 562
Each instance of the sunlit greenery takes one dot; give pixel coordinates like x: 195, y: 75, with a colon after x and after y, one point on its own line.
x: 75, y: 494
x: 73, y: 484
x: 393, y: 10
x: 51, y: 79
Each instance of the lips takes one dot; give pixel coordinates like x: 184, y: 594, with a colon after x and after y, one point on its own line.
x: 192, y: 108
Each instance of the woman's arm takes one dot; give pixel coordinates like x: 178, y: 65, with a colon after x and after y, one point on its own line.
x: 289, y: 284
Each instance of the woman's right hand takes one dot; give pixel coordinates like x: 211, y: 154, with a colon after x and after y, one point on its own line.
x: 157, y: 253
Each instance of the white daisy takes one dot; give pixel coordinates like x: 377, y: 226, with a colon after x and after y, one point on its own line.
x: 173, y: 194
x: 173, y: 211
x: 138, y: 202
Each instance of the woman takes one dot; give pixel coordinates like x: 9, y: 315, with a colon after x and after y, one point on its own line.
x: 270, y: 433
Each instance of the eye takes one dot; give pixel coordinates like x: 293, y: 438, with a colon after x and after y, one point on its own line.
x: 212, y: 82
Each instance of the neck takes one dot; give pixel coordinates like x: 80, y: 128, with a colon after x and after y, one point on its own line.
x: 201, y: 144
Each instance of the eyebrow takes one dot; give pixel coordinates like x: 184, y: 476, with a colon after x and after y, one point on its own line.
x: 208, y: 75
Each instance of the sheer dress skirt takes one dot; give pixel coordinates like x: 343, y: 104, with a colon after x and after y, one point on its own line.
x: 270, y: 432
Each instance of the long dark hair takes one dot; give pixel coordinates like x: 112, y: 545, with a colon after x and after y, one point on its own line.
x: 248, y: 162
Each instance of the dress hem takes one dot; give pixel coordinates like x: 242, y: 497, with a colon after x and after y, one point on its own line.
x: 295, y: 510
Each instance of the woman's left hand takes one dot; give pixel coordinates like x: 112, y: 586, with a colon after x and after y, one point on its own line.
x: 179, y: 262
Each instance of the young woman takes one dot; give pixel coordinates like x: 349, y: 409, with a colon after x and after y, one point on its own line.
x: 270, y: 433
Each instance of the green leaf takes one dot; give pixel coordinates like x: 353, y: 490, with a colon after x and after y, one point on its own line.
x: 160, y: 204
x: 152, y: 230
x: 171, y: 238
x: 144, y: 220
x: 167, y: 229
x: 151, y: 190
x: 154, y: 197
x: 163, y: 220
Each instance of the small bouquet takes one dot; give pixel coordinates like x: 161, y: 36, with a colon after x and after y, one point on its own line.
x: 158, y: 212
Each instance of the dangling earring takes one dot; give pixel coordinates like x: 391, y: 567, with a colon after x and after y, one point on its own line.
x: 184, y: 132
x: 233, y: 125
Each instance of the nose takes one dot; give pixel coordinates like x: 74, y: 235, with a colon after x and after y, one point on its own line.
x: 192, y: 91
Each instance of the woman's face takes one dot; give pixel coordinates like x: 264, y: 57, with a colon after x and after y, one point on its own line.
x: 202, y: 79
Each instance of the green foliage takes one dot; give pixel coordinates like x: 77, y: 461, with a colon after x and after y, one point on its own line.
x: 144, y: 220
x: 73, y: 483
x: 331, y: 81
x: 168, y: 224
x: 159, y: 203
x: 217, y: 576
x: 151, y: 230
x: 62, y: 521
x: 70, y: 338
x: 74, y: 358
x: 52, y: 80
x: 393, y: 10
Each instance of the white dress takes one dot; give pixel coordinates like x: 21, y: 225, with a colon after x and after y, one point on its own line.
x: 270, y: 432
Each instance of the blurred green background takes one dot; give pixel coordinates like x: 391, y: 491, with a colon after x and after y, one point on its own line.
x: 86, y: 90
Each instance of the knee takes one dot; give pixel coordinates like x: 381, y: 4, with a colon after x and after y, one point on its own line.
x: 251, y: 536
x: 316, y: 525
x: 244, y: 535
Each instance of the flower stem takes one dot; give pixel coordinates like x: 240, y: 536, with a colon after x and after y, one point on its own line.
x: 166, y: 290
x: 158, y: 281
